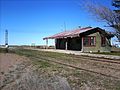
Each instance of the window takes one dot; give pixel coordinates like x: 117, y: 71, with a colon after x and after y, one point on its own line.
x: 86, y: 41
x: 103, y: 41
x: 89, y: 41
x: 92, y: 41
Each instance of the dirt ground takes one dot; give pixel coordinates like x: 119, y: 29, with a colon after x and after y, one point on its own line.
x: 39, y: 70
x: 9, y: 60
x: 16, y: 74
x: 8, y: 65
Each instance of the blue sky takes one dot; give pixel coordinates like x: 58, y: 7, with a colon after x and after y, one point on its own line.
x: 29, y: 21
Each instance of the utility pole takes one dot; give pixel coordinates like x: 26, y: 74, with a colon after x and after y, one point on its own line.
x: 65, y: 26
x: 66, y: 43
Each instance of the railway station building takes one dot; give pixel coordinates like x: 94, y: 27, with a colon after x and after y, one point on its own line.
x: 86, y: 39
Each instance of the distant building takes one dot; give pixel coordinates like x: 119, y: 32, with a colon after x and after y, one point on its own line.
x: 83, y: 39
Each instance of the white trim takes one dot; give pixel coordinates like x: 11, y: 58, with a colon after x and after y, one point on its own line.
x: 66, y: 47
x: 82, y: 45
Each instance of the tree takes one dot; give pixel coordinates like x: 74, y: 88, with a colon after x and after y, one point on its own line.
x: 103, y: 13
x: 116, y: 3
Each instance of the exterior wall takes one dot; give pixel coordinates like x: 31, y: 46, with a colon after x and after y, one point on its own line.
x: 74, y: 43
x: 98, y: 47
x: 107, y: 47
x: 60, y: 43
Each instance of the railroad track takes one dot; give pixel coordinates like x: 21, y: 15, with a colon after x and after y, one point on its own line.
x: 98, y: 59
x: 73, y: 66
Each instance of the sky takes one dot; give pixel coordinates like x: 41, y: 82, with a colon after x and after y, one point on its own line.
x: 29, y: 21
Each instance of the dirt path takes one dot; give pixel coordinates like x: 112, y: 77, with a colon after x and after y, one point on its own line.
x: 9, y: 64
x: 17, y: 73
x: 9, y: 60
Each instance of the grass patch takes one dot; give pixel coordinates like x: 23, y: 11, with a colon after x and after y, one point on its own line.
x: 3, y: 50
x: 42, y: 64
x: 76, y: 78
x: 108, y: 53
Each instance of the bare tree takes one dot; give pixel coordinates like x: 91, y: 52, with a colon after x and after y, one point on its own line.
x: 116, y: 3
x: 103, y: 13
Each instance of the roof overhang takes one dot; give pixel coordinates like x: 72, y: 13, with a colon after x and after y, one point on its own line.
x: 66, y: 34
x: 77, y: 32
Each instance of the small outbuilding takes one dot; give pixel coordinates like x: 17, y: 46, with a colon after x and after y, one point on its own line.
x: 83, y: 39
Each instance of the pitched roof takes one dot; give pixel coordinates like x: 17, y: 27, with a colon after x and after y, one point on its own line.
x: 73, y: 33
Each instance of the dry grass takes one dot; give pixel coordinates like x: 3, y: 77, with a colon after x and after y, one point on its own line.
x: 33, y: 81
x: 48, y: 75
